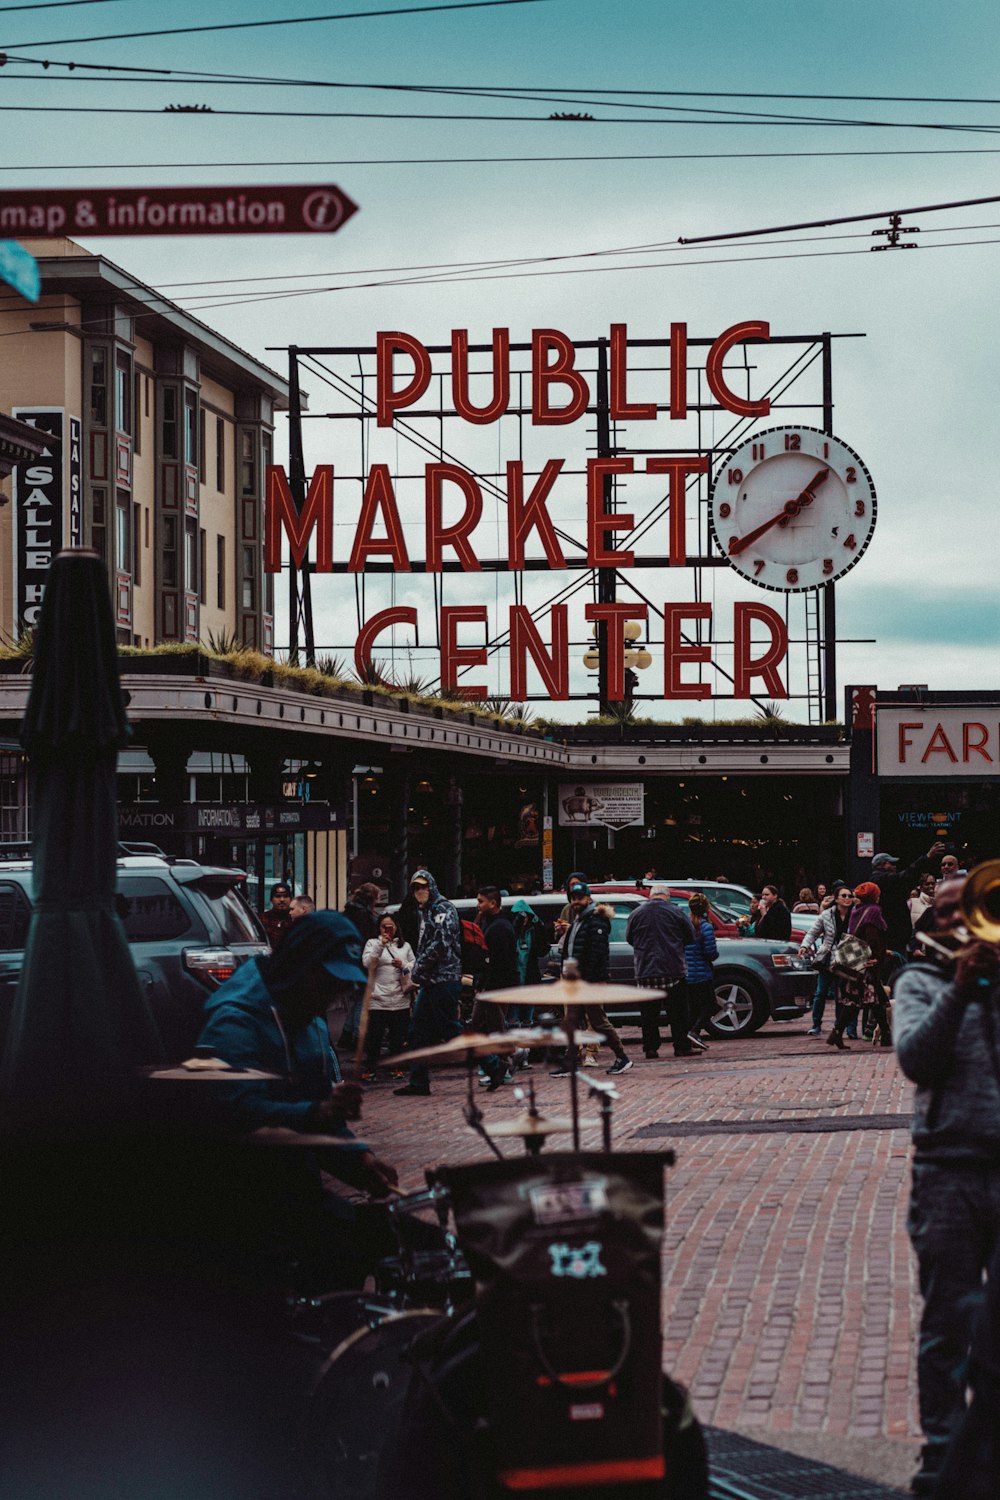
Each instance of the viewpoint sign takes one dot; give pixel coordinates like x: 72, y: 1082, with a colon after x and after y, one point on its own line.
x: 312, y: 208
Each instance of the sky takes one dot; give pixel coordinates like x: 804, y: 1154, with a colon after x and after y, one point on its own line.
x: 915, y: 397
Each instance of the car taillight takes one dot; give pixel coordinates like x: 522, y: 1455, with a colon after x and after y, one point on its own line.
x: 213, y: 966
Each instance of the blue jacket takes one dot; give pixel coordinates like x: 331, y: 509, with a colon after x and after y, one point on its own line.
x: 246, y: 1026
x: 439, y: 945
x: 700, y: 955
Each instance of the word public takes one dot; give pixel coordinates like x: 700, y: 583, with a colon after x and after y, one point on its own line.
x: 560, y: 396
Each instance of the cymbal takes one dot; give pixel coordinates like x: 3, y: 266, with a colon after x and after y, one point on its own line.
x: 563, y: 992
x: 472, y: 1044
x: 210, y: 1069
x: 527, y: 1125
x: 282, y: 1135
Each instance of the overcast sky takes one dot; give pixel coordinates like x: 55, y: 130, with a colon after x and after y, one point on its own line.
x: 915, y: 398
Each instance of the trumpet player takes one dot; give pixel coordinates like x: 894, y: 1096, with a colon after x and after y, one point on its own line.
x: 947, y: 1035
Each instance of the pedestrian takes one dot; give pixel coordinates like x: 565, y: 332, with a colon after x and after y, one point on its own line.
x: 807, y: 901
x: 699, y: 957
x: 773, y: 920
x: 301, y: 906
x: 586, y: 942
x: 867, y: 991
x: 660, y: 933
x: 499, y: 973
x: 896, y: 886
x: 360, y: 910
x: 922, y: 897
x: 533, y: 941
x: 388, y: 961
x: 437, y: 973
x: 946, y: 1026
x: 277, y: 919
x: 819, y: 942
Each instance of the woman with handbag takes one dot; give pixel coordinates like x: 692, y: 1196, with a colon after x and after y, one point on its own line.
x: 388, y: 960
x: 862, y: 983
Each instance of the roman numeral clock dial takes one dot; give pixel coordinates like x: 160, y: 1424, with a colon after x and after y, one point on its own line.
x: 792, y: 508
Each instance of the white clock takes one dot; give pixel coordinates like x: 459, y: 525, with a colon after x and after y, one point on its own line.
x: 792, y: 508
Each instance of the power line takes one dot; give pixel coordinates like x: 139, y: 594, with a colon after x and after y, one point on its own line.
x: 55, y: 5
x: 351, y: 15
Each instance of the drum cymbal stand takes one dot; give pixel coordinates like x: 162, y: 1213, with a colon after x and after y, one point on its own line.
x: 532, y: 1143
x: 473, y: 1114
x: 605, y: 1093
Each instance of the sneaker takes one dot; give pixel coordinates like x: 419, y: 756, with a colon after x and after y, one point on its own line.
x: 852, y: 1034
x: 651, y: 1056
x: 560, y: 1073
x: 397, y: 1073
x: 368, y: 1076
x: 620, y: 1065
x: 696, y: 1041
x: 589, y: 1062
x: 410, y: 1090
x: 814, y: 1031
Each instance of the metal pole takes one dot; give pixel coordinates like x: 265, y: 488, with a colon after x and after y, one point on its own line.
x: 829, y: 597
x: 606, y: 577
x: 299, y: 600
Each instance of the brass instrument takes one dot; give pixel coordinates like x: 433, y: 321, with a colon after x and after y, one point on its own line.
x: 980, y: 904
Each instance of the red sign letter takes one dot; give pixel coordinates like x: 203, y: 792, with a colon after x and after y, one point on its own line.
x: 454, y: 656
x: 615, y: 616
x: 978, y: 744
x: 678, y: 371
x: 716, y: 378
x: 439, y: 535
x: 676, y: 655
x: 938, y: 744
x: 403, y: 614
x: 523, y: 518
x: 599, y: 521
x: 746, y: 667
x: 388, y: 398
x: 561, y: 373
x: 904, y: 740
x: 622, y: 410
x: 525, y: 640
x: 379, y: 496
x: 482, y: 415
x: 279, y: 511
x: 677, y: 468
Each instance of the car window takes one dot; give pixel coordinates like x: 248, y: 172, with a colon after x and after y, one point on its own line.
x: 150, y: 909
x: 238, y: 923
x: 623, y: 910
x: 15, y: 915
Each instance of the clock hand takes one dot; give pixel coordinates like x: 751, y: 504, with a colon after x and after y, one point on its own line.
x: 788, y: 510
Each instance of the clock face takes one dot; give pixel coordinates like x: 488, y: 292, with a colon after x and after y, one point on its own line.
x: 792, y: 508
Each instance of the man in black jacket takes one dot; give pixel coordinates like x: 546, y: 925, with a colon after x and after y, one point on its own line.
x: 895, y: 887
x: 500, y: 973
x: 659, y: 933
x: 587, y: 943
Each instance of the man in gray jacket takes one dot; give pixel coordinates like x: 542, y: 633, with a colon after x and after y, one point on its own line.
x: 946, y: 1027
x: 659, y: 932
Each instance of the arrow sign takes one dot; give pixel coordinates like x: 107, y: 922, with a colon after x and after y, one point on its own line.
x: 312, y: 208
x: 20, y: 270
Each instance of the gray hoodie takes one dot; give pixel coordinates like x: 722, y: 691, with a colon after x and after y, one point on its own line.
x: 948, y: 1043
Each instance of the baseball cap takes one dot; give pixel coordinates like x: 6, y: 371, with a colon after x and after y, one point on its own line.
x: 577, y: 888
x: 346, y: 964
x: 885, y: 859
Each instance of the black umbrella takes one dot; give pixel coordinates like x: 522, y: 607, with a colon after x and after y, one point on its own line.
x: 80, y: 1024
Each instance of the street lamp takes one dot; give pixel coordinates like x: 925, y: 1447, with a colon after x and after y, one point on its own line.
x: 635, y: 659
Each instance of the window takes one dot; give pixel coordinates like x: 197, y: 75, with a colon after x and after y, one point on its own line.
x: 149, y: 910
x: 201, y: 445
x: 249, y: 592
x: 137, y: 411
x: 169, y: 444
x: 137, y: 544
x: 190, y: 428
x: 100, y: 520
x: 99, y: 387
x: 220, y: 571
x: 123, y: 392
x: 190, y: 557
x: 170, y: 551
x: 220, y: 454
x: 15, y: 914
x: 202, y: 567
x: 123, y: 533
x: 248, y: 464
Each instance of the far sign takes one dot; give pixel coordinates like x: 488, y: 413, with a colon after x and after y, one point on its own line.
x: 313, y: 208
x: 19, y: 268
x: 615, y: 804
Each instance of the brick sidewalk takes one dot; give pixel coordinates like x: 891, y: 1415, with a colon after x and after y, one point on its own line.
x: 789, y: 1288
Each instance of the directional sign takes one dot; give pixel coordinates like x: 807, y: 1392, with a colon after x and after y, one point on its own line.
x: 19, y: 270
x: 315, y: 208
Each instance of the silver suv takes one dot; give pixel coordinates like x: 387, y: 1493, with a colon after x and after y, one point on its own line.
x: 188, y: 927
x: 756, y: 980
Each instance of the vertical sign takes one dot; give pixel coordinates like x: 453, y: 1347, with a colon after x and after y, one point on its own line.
x: 38, y: 507
x: 74, y: 477
x: 547, y: 854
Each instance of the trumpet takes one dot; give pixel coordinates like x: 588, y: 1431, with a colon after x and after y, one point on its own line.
x: 980, y: 905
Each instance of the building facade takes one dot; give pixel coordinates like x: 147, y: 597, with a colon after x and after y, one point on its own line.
x: 158, y: 434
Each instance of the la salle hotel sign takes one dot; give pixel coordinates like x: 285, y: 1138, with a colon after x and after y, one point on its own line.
x: 560, y: 397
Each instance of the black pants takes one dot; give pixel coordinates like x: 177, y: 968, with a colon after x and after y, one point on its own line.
x: 393, y: 1024
x: 701, y: 1005
x: 677, y: 1015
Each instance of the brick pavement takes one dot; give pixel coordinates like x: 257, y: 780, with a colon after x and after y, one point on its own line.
x: 789, y: 1289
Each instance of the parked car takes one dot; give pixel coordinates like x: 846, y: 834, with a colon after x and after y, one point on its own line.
x: 187, y: 924
x: 756, y: 980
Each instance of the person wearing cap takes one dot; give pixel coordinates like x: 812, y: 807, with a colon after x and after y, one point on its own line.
x: 277, y: 919
x: 437, y: 973
x: 586, y: 942
x: 895, y: 886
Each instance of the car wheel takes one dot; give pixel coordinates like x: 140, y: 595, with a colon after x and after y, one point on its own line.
x: 741, y: 1007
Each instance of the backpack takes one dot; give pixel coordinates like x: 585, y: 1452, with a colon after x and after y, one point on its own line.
x: 474, y: 949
